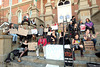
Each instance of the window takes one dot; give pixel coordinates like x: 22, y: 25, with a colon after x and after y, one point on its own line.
x: 19, y: 17
x: 30, y: 13
x: 10, y: 2
x: 19, y: 1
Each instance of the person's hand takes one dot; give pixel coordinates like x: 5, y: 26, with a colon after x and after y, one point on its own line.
x: 90, y: 27
x: 97, y: 33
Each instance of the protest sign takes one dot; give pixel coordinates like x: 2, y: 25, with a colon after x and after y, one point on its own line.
x: 13, y: 31
x: 45, y: 29
x: 82, y: 27
x: 22, y: 31
x: 32, y: 45
x: 34, y: 31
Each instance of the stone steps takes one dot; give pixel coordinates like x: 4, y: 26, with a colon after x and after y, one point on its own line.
x: 36, y: 63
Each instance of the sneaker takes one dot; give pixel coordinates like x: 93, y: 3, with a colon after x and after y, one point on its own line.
x: 38, y: 57
x: 82, y: 55
x: 44, y: 57
x: 19, y: 60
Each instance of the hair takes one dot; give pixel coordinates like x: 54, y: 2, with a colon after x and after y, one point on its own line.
x: 26, y: 40
x: 41, y: 25
x: 73, y: 16
x: 88, y: 19
x: 10, y: 25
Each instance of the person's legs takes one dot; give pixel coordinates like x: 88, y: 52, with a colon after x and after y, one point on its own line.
x: 37, y: 52
x: 13, y: 36
x: 94, y: 41
x: 81, y: 49
x: 44, y: 50
x: 93, y: 31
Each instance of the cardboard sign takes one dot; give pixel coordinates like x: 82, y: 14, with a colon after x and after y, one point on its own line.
x: 34, y: 31
x: 54, y: 27
x: 82, y: 27
x: 45, y: 29
x: 22, y: 31
x: 32, y: 45
x: 13, y: 31
x: 89, y: 45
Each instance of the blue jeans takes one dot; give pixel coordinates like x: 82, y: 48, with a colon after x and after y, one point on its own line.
x: 14, y: 37
x: 94, y: 41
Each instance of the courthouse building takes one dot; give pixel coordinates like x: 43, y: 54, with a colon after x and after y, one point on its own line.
x: 45, y: 11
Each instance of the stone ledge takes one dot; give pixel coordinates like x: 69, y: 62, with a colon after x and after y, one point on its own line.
x: 5, y: 36
x: 95, y: 13
x: 48, y: 5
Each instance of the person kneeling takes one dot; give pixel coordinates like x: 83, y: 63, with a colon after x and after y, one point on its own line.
x: 76, y: 42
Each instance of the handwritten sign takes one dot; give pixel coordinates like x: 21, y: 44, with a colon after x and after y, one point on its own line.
x: 82, y: 27
x: 34, y: 31
x: 54, y: 27
x: 54, y: 52
x: 13, y: 31
x: 45, y: 29
x: 22, y: 31
x: 89, y: 45
x: 32, y: 45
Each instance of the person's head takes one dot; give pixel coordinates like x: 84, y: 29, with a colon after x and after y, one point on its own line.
x: 75, y: 25
x: 26, y: 41
x: 55, y: 22
x: 27, y: 14
x: 76, y: 36
x: 48, y: 25
x: 41, y: 36
x: 71, y: 22
x: 87, y: 20
x: 80, y: 21
x: 11, y: 25
x: 73, y: 17
x: 41, y: 25
x: 53, y: 31
x: 87, y: 31
x: 33, y: 20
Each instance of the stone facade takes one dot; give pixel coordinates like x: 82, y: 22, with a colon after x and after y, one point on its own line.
x: 46, y: 10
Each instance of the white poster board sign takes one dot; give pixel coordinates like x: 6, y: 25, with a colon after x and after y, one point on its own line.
x: 54, y: 27
x: 49, y: 65
x: 34, y: 31
x: 54, y: 52
x: 64, y: 11
x: 82, y: 27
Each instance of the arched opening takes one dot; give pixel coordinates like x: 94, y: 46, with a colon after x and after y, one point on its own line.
x: 64, y: 10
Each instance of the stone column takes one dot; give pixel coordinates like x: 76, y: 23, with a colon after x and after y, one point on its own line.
x: 42, y: 11
x: 84, y: 10
x: 94, y: 6
x: 48, y: 13
x: 5, y: 46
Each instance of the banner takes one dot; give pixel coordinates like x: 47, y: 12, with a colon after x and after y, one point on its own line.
x: 54, y: 27
x: 82, y: 27
x: 13, y: 31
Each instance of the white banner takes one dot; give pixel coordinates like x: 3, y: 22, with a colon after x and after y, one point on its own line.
x: 54, y: 52
x: 63, y: 12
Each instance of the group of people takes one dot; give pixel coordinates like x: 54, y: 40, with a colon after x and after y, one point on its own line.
x: 75, y: 31
x: 53, y: 36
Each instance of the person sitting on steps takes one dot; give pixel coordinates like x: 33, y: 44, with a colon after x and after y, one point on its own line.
x: 76, y: 42
x: 88, y: 37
